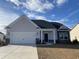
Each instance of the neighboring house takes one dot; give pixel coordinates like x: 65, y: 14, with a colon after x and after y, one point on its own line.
x: 74, y: 33
x: 26, y: 31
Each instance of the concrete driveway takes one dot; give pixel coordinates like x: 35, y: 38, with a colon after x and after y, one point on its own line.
x: 18, y: 52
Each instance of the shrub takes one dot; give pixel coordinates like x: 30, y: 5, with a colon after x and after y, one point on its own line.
x: 2, y: 43
x: 38, y: 41
x: 75, y: 41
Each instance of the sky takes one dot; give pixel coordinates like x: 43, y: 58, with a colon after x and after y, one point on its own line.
x: 63, y: 11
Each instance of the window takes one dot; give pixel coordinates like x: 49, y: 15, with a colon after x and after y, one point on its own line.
x: 63, y: 35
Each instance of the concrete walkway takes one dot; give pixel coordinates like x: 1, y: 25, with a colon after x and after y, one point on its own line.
x: 18, y: 52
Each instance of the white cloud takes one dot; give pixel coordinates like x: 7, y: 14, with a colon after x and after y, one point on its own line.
x: 60, y: 2
x: 48, y: 5
x: 41, y: 17
x: 53, y: 16
x: 16, y: 2
x: 35, y: 16
x: 38, y: 6
x: 34, y: 5
x: 64, y: 21
x: 31, y: 15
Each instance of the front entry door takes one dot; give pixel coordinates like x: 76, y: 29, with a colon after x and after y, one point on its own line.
x: 46, y: 37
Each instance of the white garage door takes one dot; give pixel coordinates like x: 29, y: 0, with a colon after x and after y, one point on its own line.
x: 22, y: 37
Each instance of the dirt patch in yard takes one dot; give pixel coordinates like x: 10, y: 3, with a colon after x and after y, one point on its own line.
x: 58, y: 51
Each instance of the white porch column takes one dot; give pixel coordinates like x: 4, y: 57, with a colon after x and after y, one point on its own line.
x: 54, y: 36
x: 41, y: 36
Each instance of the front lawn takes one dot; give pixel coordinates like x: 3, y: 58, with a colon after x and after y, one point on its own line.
x: 58, y: 51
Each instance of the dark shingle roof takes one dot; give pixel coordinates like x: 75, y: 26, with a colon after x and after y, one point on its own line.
x: 57, y: 25
x: 46, y: 24
x: 43, y: 24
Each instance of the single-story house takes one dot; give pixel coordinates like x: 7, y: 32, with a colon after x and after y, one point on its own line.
x: 74, y: 33
x: 26, y: 31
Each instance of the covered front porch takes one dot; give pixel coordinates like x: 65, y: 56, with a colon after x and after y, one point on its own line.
x: 47, y: 36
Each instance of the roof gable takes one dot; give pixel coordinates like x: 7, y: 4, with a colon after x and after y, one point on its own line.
x: 23, y: 17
